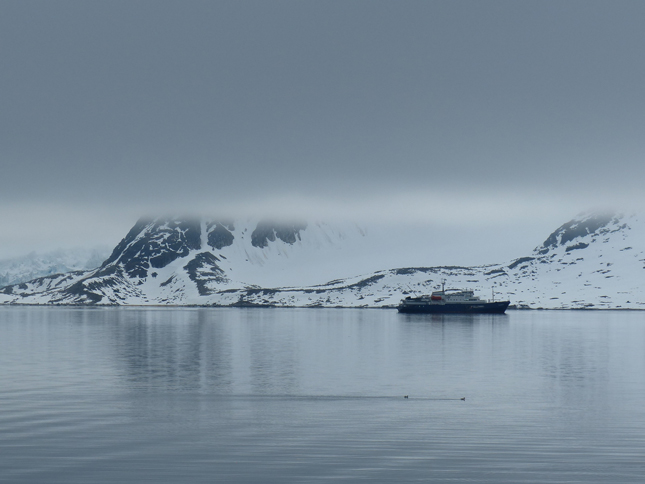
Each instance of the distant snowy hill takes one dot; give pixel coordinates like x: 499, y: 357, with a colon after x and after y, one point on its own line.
x: 593, y: 261
x: 34, y: 265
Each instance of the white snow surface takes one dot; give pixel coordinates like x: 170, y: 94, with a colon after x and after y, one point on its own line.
x: 584, y: 264
x: 321, y: 252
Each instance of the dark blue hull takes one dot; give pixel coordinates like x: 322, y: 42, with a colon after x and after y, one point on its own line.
x: 481, y: 308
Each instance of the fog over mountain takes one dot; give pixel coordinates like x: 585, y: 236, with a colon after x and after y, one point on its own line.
x: 595, y: 261
x: 474, y: 121
x: 34, y: 265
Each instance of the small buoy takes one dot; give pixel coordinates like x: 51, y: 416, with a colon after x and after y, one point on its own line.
x: 405, y: 396
x: 463, y: 398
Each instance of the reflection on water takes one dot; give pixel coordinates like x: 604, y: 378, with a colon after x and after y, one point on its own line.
x: 269, y: 395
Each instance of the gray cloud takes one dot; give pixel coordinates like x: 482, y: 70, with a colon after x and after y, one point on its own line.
x: 141, y: 104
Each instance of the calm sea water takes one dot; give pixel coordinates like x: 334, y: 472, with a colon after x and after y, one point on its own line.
x: 313, y: 395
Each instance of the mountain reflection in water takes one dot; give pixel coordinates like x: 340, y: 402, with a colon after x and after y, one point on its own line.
x: 299, y: 395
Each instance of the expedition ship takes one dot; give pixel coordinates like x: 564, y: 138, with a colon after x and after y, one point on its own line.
x: 451, y: 301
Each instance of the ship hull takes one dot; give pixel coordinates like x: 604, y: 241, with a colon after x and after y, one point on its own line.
x: 498, y: 307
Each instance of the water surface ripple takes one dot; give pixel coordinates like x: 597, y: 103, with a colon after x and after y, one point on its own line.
x: 129, y: 395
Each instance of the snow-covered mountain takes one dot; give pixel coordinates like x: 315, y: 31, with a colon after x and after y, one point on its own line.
x: 184, y: 260
x: 593, y: 261
x: 31, y: 266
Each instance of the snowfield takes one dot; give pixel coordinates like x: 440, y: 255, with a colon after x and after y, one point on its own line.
x: 593, y: 261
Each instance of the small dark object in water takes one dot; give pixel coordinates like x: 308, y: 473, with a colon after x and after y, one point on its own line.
x: 405, y: 396
x: 463, y: 398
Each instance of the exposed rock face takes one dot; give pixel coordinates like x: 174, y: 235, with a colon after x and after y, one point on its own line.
x: 219, y: 234
x: 154, y: 244
x: 267, y: 231
x: 586, y: 224
x: 203, y: 269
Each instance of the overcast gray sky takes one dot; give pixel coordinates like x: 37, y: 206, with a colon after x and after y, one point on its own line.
x: 505, y: 115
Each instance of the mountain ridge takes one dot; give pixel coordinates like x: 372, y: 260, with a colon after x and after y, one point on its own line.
x: 591, y: 261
